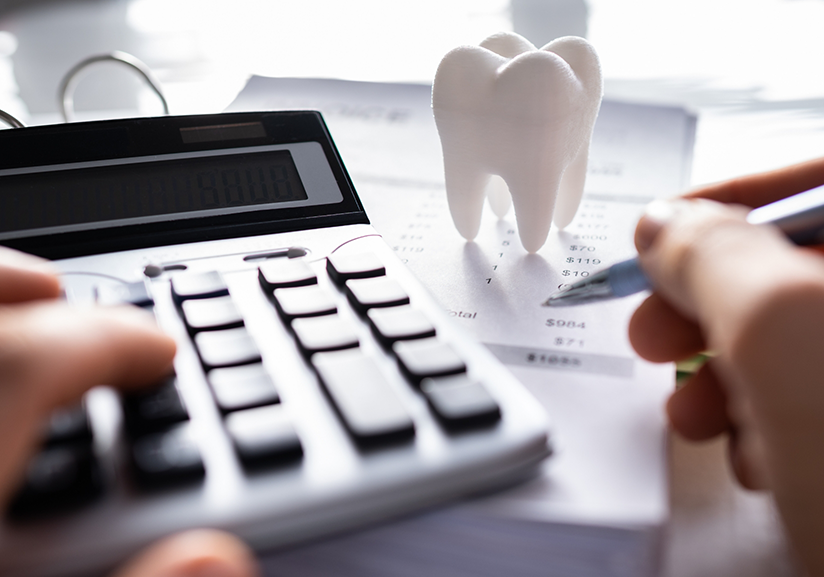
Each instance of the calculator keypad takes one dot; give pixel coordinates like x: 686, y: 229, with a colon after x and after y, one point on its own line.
x: 329, y: 324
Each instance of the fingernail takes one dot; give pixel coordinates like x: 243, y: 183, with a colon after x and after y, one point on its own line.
x: 656, y: 215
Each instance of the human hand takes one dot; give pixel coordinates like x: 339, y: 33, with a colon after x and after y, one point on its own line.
x: 50, y: 354
x: 745, y: 293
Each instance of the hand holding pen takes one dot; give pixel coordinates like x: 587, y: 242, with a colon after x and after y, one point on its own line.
x: 757, y: 301
x: 800, y: 217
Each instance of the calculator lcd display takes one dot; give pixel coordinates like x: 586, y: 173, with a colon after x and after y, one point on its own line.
x: 148, y: 191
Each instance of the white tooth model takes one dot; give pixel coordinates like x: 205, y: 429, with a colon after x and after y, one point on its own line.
x: 510, y: 115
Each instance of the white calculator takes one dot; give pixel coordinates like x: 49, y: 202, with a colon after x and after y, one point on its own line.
x: 318, y: 387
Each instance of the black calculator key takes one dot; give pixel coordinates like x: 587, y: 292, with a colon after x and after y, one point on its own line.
x: 69, y: 424
x: 370, y: 408
x: 342, y: 267
x: 402, y: 323
x: 198, y: 286
x: 309, y: 301
x: 166, y: 458
x: 368, y: 293
x: 285, y: 273
x: 326, y: 333
x: 264, y: 436
x: 133, y: 293
x: 243, y: 387
x: 58, y: 478
x: 424, y: 358
x: 154, y: 409
x: 460, y: 402
x: 227, y: 348
x: 211, y: 314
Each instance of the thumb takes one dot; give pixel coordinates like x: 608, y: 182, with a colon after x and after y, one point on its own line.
x: 714, y: 267
x: 197, y: 553
x: 760, y: 304
x: 50, y: 354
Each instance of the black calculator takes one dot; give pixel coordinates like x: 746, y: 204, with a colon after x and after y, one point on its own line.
x: 317, y: 388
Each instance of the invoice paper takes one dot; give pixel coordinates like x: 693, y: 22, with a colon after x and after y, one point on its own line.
x: 601, y: 497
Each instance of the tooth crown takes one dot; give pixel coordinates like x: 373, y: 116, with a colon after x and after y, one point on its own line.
x: 505, y: 108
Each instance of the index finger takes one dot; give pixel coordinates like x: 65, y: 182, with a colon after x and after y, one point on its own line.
x: 24, y: 277
x: 55, y: 352
x: 50, y: 354
x: 759, y: 189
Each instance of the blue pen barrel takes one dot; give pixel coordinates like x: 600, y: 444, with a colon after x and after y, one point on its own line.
x: 627, y: 278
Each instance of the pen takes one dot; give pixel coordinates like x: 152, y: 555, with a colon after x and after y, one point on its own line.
x: 800, y: 217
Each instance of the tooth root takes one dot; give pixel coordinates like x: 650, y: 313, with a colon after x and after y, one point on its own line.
x: 534, y: 197
x: 466, y: 200
x: 497, y: 193
x: 571, y: 189
x: 465, y: 183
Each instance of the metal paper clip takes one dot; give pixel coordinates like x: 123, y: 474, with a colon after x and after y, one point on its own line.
x: 10, y: 120
x: 71, y: 79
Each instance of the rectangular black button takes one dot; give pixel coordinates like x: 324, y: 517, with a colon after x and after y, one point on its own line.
x: 342, y: 267
x: 132, y: 293
x: 243, y: 387
x: 368, y: 293
x: 58, y: 478
x: 308, y: 301
x: 69, y: 424
x: 211, y: 314
x: 264, y: 436
x: 326, y: 333
x: 198, y: 286
x: 460, y: 402
x: 370, y: 408
x: 390, y: 325
x: 424, y: 358
x: 227, y: 348
x: 167, y: 458
x: 154, y: 409
x: 282, y: 273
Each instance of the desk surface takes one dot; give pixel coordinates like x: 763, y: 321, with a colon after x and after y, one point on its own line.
x: 748, y: 68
